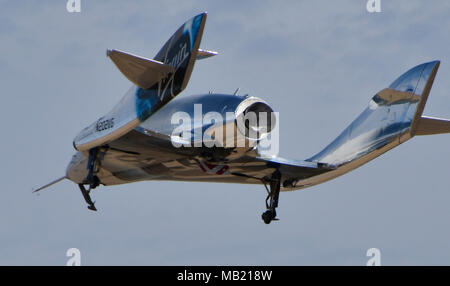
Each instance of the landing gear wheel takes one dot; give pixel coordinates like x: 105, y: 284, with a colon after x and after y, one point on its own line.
x: 268, y: 216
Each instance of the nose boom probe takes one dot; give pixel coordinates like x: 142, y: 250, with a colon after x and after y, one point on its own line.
x: 49, y: 184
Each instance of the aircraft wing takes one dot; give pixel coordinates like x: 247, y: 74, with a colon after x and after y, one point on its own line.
x: 140, y: 155
x: 292, y: 171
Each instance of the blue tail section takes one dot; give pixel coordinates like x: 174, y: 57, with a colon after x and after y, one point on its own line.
x: 180, y: 52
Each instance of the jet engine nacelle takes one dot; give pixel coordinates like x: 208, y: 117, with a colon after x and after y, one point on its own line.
x: 254, y: 118
x: 214, y: 120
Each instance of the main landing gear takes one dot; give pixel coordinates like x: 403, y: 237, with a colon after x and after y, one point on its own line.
x: 92, y: 180
x: 272, y: 198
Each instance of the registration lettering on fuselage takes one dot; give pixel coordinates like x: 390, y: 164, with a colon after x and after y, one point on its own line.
x: 104, y: 124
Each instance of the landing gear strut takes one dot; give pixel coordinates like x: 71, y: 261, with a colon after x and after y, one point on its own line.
x: 272, y: 198
x: 92, y: 180
x: 87, y: 197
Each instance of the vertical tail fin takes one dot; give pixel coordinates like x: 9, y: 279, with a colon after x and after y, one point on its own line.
x: 179, y: 52
x: 158, y: 81
x: 391, y: 118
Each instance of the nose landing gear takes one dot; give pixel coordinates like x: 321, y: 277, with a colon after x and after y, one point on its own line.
x: 92, y: 180
x: 87, y: 197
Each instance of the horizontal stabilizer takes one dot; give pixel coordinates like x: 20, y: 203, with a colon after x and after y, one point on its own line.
x: 431, y: 126
x: 203, y: 54
x: 141, y: 71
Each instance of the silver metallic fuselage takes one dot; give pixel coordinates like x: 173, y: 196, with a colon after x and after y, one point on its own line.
x: 387, y: 122
x: 161, y: 126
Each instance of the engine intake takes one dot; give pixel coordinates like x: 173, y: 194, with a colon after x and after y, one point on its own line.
x: 255, y: 118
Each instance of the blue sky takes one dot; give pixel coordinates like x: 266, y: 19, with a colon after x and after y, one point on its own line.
x: 316, y: 62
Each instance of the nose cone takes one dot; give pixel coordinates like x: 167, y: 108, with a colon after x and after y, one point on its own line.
x: 77, y: 169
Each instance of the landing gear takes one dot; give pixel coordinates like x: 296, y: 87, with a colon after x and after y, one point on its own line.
x: 87, y: 197
x: 272, y: 198
x: 92, y: 165
x: 92, y: 180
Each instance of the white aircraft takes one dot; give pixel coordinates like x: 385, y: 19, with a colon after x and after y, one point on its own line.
x: 137, y: 139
